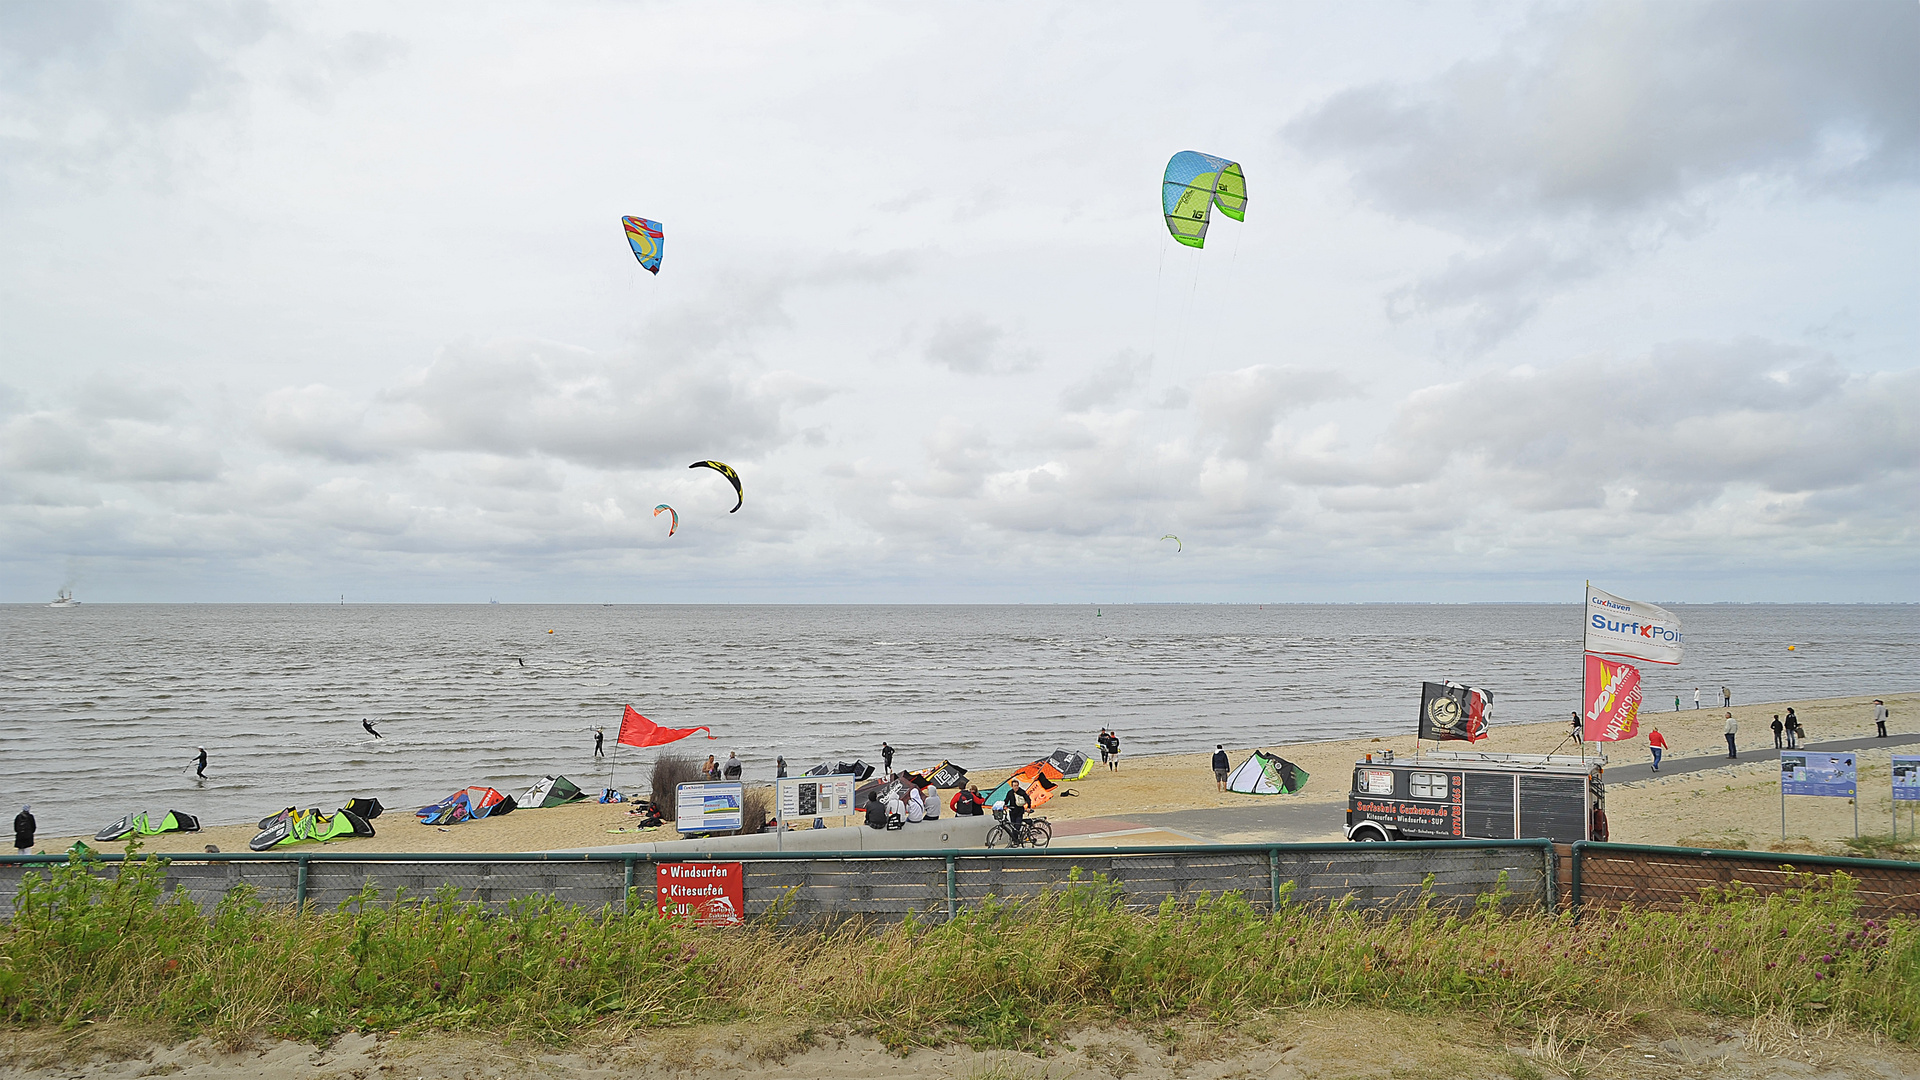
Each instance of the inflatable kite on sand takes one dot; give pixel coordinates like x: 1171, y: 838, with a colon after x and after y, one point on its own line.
x: 1194, y: 184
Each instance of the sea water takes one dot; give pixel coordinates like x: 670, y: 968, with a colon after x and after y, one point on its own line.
x: 102, y: 706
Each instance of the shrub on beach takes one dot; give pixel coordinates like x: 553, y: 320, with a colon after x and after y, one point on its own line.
x: 669, y: 771
x: 87, y: 944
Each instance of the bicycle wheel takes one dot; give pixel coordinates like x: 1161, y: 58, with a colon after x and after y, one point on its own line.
x: 1039, y: 833
x: 1000, y: 837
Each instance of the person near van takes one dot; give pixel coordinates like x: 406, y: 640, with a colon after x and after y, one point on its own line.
x: 1657, y: 743
x: 1018, y: 801
x: 1220, y: 766
x: 1880, y: 715
x: 23, y: 829
x: 1778, y: 727
x: 1733, y: 729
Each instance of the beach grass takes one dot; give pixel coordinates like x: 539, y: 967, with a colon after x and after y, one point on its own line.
x: 88, y: 943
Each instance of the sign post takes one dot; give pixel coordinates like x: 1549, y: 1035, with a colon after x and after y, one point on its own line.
x: 1807, y: 773
x: 708, y: 806
x: 1906, y: 788
x: 798, y: 798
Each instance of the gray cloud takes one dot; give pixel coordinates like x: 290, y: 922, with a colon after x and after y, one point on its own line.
x: 519, y: 398
x: 971, y: 345
x: 1105, y: 384
x: 1241, y: 408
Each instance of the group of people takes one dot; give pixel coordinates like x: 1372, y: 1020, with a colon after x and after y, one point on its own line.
x: 1109, y: 741
x: 715, y: 769
x: 1726, y: 699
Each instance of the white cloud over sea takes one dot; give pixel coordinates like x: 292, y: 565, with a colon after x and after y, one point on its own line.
x: 301, y: 302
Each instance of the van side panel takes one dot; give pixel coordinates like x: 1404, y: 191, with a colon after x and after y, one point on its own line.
x: 1490, y: 806
x: 1554, y: 807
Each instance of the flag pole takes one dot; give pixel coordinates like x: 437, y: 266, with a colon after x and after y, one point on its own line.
x: 1580, y: 734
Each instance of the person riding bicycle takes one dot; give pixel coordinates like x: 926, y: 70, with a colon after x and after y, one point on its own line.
x: 1018, y: 803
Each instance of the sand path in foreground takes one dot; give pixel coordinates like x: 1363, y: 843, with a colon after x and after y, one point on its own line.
x: 1738, y: 806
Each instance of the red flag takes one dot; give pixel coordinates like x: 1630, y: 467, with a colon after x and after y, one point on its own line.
x: 637, y: 730
x: 1613, y: 701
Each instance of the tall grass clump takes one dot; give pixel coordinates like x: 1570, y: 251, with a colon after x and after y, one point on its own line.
x: 669, y: 771
x: 86, y: 943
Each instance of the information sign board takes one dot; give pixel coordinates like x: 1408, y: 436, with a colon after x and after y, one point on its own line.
x: 707, y: 893
x: 799, y: 798
x: 1906, y: 777
x: 1808, y: 773
x: 712, y: 806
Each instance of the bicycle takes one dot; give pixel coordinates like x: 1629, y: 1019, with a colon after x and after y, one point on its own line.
x: 1033, y: 832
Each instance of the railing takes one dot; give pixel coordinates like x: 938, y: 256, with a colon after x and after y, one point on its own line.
x: 1616, y: 875
x: 890, y: 885
x: 886, y: 885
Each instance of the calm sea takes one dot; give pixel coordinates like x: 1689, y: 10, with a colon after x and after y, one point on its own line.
x: 101, y: 706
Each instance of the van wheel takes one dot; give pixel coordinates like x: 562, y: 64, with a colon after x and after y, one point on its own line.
x: 1368, y: 834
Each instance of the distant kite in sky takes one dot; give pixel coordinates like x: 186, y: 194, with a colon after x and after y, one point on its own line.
x: 673, y: 522
x: 725, y: 470
x: 648, y: 241
x: 1196, y: 183
x: 1176, y: 542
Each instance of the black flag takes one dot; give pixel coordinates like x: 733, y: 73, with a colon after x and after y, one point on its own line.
x: 1452, y: 711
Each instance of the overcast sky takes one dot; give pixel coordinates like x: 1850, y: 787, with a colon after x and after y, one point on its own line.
x: 305, y: 300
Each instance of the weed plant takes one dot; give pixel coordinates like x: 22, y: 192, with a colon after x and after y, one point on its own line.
x: 88, y: 943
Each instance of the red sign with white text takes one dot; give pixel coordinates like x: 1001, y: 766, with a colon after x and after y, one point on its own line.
x: 708, y: 893
x: 1613, y: 701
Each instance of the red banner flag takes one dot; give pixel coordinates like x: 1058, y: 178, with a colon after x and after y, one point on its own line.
x: 1613, y: 701
x: 637, y: 730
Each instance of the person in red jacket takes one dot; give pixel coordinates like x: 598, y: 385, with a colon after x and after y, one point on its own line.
x: 1657, y: 743
x: 968, y: 802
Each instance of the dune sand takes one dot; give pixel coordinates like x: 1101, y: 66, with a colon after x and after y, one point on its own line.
x: 1728, y: 807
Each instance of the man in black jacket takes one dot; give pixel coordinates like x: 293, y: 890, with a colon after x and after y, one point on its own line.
x: 1220, y: 766
x: 23, y: 828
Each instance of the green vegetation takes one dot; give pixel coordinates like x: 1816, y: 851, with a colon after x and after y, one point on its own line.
x: 87, y: 943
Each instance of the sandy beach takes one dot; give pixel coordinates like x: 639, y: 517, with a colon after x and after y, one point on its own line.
x: 1734, y: 806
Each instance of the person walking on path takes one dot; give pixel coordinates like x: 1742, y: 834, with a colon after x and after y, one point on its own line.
x: 1733, y: 729
x: 1778, y: 727
x: 23, y: 827
x: 1657, y: 743
x: 1220, y: 766
x: 886, y: 759
x: 1726, y: 698
x: 600, y: 742
x: 1880, y: 715
x: 1696, y: 697
x: 200, y: 764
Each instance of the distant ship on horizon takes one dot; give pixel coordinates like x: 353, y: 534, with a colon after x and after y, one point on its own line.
x: 65, y: 599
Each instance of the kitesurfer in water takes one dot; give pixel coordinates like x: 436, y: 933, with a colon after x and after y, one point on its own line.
x: 886, y: 759
x: 368, y: 724
x: 200, y: 763
x: 599, y: 742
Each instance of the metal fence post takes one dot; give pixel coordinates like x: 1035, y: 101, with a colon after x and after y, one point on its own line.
x: 953, y: 890
x: 626, y: 891
x: 1573, y: 893
x: 300, y: 885
x: 1551, y: 899
x: 1273, y: 875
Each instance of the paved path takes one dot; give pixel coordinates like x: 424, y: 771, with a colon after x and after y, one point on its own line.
x: 1643, y: 770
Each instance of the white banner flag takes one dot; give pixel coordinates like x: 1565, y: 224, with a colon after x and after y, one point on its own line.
x: 1617, y: 627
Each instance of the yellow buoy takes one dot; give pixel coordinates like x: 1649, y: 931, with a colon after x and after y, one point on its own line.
x: 1790, y: 648
x: 552, y: 632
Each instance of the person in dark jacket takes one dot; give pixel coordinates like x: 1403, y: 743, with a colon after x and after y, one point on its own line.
x: 1220, y: 766
x: 1778, y: 727
x: 23, y: 828
x: 886, y: 759
x: 876, y: 810
x: 968, y: 802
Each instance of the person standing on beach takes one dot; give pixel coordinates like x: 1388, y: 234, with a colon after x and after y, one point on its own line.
x: 599, y: 742
x: 1676, y: 703
x: 886, y: 758
x: 1102, y: 743
x: 1794, y: 731
x: 1657, y: 743
x: 23, y: 827
x: 1696, y: 697
x: 1733, y: 729
x: 1880, y: 715
x: 200, y: 764
x: 1778, y: 727
x: 1220, y: 766
x: 1113, y: 751
x: 1726, y: 698
x: 780, y: 768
